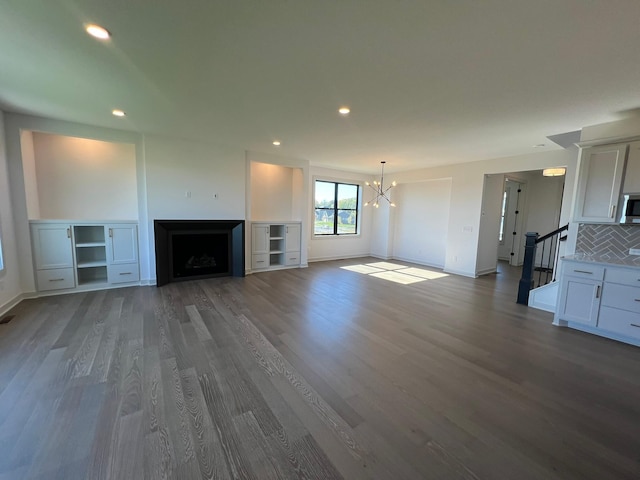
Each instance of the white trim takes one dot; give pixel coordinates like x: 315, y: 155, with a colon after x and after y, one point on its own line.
x: 339, y: 257
x: 486, y: 271
x: 460, y: 272
x: 15, y: 301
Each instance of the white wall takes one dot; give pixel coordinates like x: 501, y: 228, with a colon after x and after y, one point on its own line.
x: 174, y: 167
x: 272, y: 192
x: 10, y: 287
x: 345, y: 246
x: 490, y: 224
x: 83, y: 179
x: 29, y: 169
x: 545, y: 197
x: 466, y: 198
x: 420, y: 221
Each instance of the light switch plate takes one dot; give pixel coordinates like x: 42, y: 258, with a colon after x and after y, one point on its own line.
x: 634, y: 251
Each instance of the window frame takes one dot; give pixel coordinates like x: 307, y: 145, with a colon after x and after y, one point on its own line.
x: 3, y: 266
x: 336, y: 209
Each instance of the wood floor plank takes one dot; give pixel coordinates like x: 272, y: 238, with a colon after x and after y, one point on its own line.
x: 312, y: 373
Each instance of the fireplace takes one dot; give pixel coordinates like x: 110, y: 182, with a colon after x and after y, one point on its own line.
x: 194, y: 249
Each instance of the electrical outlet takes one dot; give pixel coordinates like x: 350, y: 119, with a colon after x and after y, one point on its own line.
x: 634, y: 251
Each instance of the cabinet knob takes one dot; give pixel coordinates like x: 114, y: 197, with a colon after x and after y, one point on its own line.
x: 598, y: 291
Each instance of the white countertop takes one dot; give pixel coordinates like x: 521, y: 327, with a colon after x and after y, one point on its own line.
x: 604, y: 259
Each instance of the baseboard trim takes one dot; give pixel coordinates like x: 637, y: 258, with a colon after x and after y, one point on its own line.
x: 340, y: 257
x: 417, y: 262
x: 460, y: 272
x: 4, y: 308
x: 486, y: 271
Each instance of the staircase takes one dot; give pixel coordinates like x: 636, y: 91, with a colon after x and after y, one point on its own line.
x: 538, y: 287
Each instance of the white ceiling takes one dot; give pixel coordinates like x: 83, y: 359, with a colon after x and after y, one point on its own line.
x: 429, y: 82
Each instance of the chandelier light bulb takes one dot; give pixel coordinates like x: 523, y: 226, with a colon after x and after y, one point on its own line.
x: 381, y: 192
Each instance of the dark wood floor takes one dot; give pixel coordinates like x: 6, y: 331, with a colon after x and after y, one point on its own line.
x: 312, y: 373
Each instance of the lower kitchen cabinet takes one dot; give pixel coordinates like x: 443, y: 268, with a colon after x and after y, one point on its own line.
x: 600, y: 299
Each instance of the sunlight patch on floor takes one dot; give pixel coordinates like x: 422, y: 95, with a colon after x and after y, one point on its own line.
x: 394, y: 272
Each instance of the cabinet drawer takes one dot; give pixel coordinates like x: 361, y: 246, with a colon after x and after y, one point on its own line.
x: 621, y: 296
x: 619, y: 321
x: 123, y: 273
x: 292, y: 258
x: 581, y: 270
x: 55, y: 279
x: 623, y: 275
x: 260, y: 261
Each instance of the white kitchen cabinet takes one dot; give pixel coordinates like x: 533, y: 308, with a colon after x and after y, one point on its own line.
x: 580, y: 293
x: 275, y: 245
x: 599, y: 183
x: 602, y: 299
x: 632, y: 172
x: 84, y: 255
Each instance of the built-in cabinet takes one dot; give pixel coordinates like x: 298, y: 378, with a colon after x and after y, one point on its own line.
x: 600, y: 299
x: 275, y: 245
x: 600, y: 182
x: 84, y: 255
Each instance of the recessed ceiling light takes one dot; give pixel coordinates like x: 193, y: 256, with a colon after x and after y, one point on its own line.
x: 540, y: 145
x: 344, y: 110
x: 97, y: 31
x: 118, y: 113
x: 276, y: 143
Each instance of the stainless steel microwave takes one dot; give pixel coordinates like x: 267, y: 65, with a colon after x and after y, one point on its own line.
x: 631, y: 209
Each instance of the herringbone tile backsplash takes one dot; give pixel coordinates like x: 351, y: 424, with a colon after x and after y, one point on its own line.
x: 612, y: 241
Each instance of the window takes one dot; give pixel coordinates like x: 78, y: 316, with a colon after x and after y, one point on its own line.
x: 336, y: 208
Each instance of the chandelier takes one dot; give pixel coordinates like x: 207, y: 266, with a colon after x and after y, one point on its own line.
x: 381, y: 192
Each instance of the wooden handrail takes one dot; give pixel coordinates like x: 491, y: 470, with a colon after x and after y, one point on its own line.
x: 551, y: 234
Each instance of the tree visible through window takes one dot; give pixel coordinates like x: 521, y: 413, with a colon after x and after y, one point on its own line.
x: 336, y: 208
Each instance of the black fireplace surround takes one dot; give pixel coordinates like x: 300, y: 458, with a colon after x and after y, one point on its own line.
x: 195, y: 249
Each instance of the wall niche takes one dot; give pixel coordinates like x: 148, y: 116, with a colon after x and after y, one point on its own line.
x: 276, y: 193
x: 78, y: 178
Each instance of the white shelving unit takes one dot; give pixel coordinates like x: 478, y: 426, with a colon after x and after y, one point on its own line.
x: 83, y: 255
x: 91, y: 254
x: 275, y: 245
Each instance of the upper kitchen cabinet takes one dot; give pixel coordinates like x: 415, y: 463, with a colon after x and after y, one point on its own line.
x: 632, y: 176
x: 600, y: 180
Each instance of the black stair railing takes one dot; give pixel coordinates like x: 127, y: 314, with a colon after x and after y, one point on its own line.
x: 540, y: 261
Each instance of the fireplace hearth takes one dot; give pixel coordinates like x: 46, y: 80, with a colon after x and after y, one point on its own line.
x: 195, y: 249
